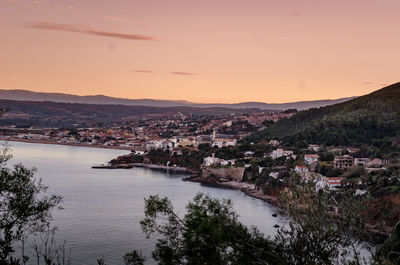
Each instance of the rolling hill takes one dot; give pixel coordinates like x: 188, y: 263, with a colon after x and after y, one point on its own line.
x: 26, y: 95
x: 56, y: 114
x: 363, y: 120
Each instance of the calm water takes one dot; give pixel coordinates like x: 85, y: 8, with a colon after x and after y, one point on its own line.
x: 103, y: 207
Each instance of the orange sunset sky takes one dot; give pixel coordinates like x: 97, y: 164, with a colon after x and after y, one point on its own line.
x: 201, y: 50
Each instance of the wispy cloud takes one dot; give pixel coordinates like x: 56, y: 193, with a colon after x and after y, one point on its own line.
x: 374, y: 83
x: 183, y: 73
x: 90, y: 31
x: 123, y: 20
x: 143, y: 71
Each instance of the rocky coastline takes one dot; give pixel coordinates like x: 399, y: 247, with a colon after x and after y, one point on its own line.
x: 247, y: 188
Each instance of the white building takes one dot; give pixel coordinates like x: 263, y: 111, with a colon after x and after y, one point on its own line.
x: 224, y: 142
x: 299, y: 169
x: 313, y: 147
x: 361, y: 161
x: 274, y: 142
x: 248, y: 154
x: 154, y: 144
x: 280, y: 152
x: 311, y: 159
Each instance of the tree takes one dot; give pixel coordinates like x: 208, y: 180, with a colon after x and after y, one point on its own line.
x: 324, y: 228
x: 389, y: 253
x: 24, y: 207
x: 134, y: 258
x: 209, y: 233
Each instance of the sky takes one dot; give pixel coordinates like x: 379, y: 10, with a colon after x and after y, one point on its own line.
x: 206, y: 51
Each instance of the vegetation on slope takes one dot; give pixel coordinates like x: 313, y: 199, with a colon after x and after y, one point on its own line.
x: 374, y: 118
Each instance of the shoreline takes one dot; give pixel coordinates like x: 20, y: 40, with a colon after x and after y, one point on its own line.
x: 246, y: 188
x: 12, y: 139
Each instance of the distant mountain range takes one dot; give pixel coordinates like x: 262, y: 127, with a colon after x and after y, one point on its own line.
x: 370, y: 119
x: 26, y: 95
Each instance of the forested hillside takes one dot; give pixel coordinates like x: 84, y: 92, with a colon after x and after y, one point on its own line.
x: 371, y: 118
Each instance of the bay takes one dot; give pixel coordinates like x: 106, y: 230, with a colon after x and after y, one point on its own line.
x: 101, y: 208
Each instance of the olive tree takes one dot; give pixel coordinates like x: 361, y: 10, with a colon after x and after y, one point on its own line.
x: 209, y: 233
x: 24, y: 206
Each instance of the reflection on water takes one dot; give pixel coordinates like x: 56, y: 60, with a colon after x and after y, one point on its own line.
x: 103, y: 207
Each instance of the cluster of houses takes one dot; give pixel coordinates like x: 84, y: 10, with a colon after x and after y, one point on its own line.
x: 215, y: 161
x: 282, y: 153
x: 306, y: 169
x: 347, y: 161
x: 340, y: 162
x: 214, y: 140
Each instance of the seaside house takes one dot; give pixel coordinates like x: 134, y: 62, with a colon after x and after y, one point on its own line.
x: 154, y: 144
x: 375, y: 163
x: 280, y: 152
x: 311, y: 159
x: 313, y: 147
x: 343, y: 162
x: 210, y: 160
x: 361, y: 162
x: 300, y: 169
x: 352, y: 150
x: 274, y: 142
x: 334, y: 182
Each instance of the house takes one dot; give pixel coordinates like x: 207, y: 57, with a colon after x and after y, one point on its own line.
x: 274, y: 142
x: 360, y: 192
x: 221, y: 142
x: 375, y: 163
x: 343, y: 162
x: 334, y: 182
x: 227, y: 123
x: 311, y: 159
x: 352, y: 150
x: 274, y: 175
x: 224, y: 162
x: 313, y: 147
x: 299, y: 169
x: 280, y: 152
x: 248, y: 154
x: 154, y: 144
x: 210, y: 160
x: 361, y: 162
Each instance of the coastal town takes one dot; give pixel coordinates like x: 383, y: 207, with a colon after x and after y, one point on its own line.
x: 222, y: 150
x: 172, y: 132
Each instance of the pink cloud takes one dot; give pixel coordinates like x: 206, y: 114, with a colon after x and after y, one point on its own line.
x: 143, y: 71
x: 123, y: 20
x: 183, y: 73
x: 88, y: 30
x: 374, y: 83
